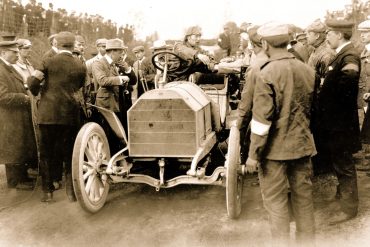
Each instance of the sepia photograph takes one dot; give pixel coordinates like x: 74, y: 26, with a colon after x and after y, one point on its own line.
x: 193, y: 123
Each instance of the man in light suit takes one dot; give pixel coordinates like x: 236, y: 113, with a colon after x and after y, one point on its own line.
x: 100, y: 46
x: 115, y: 79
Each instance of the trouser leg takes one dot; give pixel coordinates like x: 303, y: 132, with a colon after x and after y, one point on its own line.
x: 299, y: 174
x: 347, y: 178
x: 273, y: 182
x: 47, y: 136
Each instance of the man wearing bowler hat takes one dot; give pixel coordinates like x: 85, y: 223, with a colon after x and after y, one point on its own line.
x: 115, y: 79
x: 58, y: 111
x: 281, y: 140
x: 337, y: 115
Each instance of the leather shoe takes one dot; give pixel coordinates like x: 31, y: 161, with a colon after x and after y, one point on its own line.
x: 341, y: 217
x: 47, y: 197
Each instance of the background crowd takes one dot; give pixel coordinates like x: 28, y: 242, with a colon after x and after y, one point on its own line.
x: 33, y: 19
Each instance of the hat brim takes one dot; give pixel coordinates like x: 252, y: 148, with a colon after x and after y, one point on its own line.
x: 116, y: 48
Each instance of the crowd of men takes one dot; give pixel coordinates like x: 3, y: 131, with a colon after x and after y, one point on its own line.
x: 303, y: 112
x: 298, y: 112
x: 33, y: 19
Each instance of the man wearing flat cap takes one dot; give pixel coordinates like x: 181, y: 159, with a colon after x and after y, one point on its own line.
x: 322, y: 55
x: 115, y: 79
x: 364, y: 88
x: 246, y: 102
x: 17, y: 136
x: 80, y: 46
x: 319, y: 60
x: 58, y: 112
x: 281, y: 140
x: 144, y: 71
x: 191, y: 51
x: 23, y: 65
x: 337, y: 116
x: 100, y: 46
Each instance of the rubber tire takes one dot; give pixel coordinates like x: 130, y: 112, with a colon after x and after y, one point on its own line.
x: 88, y: 130
x: 234, y: 181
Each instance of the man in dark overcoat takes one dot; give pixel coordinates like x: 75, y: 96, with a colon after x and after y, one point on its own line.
x: 58, y: 112
x: 337, y: 116
x: 17, y: 137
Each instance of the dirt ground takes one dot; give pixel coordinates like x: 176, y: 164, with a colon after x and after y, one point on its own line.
x: 137, y: 215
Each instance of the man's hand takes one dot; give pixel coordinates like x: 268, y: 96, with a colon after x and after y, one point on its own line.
x: 38, y: 74
x: 204, y: 58
x: 88, y: 113
x: 124, y: 66
x: 251, y: 165
x: 366, y: 97
x: 124, y: 79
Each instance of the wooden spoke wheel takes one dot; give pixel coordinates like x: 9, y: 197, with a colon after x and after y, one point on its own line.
x: 234, y: 181
x: 89, y: 160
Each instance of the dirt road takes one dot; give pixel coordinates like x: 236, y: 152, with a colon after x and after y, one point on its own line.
x: 137, y: 215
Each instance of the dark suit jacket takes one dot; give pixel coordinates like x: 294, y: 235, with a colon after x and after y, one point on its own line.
x: 64, y: 76
x: 337, y: 102
x: 17, y: 138
x: 108, y: 95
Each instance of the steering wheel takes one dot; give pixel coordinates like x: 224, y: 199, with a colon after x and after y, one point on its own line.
x: 174, y: 62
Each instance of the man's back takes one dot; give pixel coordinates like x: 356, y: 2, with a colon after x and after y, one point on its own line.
x: 64, y: 76
x: 291, y: 85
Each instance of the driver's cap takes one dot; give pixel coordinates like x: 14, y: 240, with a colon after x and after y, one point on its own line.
x: 193, y: 30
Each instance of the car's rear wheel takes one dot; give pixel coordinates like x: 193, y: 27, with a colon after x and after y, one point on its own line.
x: 90, y: 157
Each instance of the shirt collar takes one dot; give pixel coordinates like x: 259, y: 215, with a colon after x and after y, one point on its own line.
x: 55, y: 49
x: 109, y: 59
x: 342, y: 46
x: 281, y: 55
x: 367, y: 47
x: 99, y: 56
x: 64, y: 51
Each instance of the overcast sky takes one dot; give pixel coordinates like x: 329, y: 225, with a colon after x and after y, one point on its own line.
x: 171, y: 17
